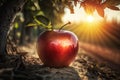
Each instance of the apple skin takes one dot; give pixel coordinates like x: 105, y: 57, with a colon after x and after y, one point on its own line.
x: 57, y: 48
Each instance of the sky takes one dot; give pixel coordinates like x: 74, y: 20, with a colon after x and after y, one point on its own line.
x: 80, y: 15
x: 113, y: 14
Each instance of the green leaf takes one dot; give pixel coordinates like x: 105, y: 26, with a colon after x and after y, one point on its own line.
x: 42, y: 19
x: 16, y: 25
x: 39, y: 21
x: 32, y: 24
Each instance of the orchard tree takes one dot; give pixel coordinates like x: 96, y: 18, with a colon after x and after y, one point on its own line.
x: 9, y: 8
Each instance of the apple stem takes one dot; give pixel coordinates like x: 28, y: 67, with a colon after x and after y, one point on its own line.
x: 64, y: 25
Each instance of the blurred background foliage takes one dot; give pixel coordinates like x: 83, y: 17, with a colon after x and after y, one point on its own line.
x: 39, y: 15
x: 36, y: 16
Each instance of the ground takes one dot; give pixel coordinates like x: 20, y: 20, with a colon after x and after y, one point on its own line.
x: 29, y: 67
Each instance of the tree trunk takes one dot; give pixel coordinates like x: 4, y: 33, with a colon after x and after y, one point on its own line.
x: 22, y: 37
x: 7, y: 14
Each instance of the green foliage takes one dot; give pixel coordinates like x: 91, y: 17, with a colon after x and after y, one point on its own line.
x: 16, y: 25
x: 53, y: 10
x: 46, y: 14
x: 41, y: 21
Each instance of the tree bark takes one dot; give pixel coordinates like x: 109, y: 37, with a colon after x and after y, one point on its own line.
x: 22, y: 37
x: 7, y: 14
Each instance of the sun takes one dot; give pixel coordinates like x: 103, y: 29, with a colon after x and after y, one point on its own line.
x: 90, y: 18
x: 80, y: 16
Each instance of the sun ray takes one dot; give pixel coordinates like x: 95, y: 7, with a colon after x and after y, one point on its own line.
x: 111, y: 38
x: 91, y: 28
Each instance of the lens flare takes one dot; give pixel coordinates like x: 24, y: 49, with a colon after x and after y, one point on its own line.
x: 90, y: 28
x: 90, y: 18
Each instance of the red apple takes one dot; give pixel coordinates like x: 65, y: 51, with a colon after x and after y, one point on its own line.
x: 57, y: 48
